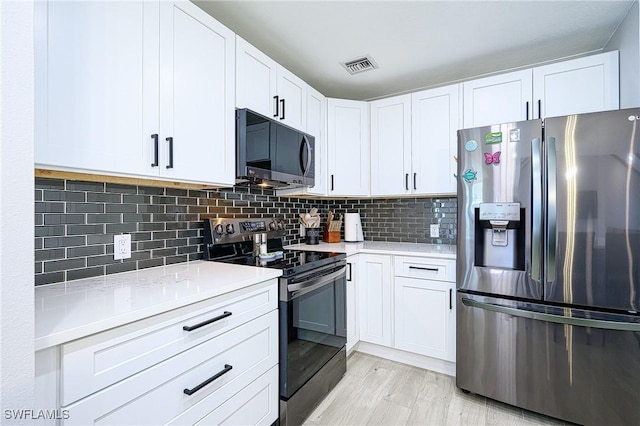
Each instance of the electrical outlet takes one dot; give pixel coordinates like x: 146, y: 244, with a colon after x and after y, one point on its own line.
x: 434, y: 231
x: 122, y: 246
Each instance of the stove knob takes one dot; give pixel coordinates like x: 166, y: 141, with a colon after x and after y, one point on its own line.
x: 280, y: 224
x: 230, y: 228
x: 272, y: 225
x: 218, y: 229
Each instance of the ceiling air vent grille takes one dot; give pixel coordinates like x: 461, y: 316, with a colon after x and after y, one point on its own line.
x: 357, y: 66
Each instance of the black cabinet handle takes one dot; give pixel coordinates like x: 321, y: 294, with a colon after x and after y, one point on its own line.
x: 155, y: 150
x: 277, y: 106
x: 527, y: 106
x: 332, y: 182
x: 450, y: 298
x: 170, y: 140
x: 415, y: 176
x: 207, y: 322
x: 224, y: 371
x: 406, y: 181
x: 539, y: 108
x: 424, y: 269
x: 349, y: 273
x: 282, y: 102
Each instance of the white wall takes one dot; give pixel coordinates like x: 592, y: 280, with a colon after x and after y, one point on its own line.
x: 16, y: 209
x: 627, y: 40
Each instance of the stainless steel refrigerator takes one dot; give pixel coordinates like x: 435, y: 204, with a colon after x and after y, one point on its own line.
x: 548, y: 268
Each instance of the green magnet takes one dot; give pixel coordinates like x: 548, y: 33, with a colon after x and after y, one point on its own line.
x: 491, y: 138
x: 469, y: 175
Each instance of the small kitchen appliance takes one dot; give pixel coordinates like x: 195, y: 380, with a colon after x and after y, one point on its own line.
x: 548, y: 265
x: 312, y: 307
x: 353, y: 227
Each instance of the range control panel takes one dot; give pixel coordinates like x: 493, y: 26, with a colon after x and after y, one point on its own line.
x: 226, y: 230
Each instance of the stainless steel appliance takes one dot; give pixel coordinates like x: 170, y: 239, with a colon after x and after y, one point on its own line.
x: 549, y: 265
x: 271, y: 153
x: 312, y: 308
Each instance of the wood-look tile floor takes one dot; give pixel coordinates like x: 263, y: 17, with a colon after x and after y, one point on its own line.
x: 376, y: 391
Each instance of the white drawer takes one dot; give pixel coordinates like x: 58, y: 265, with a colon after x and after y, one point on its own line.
x: 257, y: 404
x: 156, y: 395
x: 425, y: 268
x: 100, y: 360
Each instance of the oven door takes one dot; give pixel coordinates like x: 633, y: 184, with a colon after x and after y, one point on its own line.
x: 312, y: 324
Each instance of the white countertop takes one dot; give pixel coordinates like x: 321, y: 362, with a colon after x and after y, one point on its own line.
x: 74, y: 309
x: 382, y: 247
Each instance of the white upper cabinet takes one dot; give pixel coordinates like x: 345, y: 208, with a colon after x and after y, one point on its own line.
x: 263, y: 86
x: 391, y: 146
x: 256, y: 79
x: 135, y: 88
x: 436, y: 118
x: 316, y: 116
x: 577, y: 86
x: 97, y: 74
x: 499, y: 99
x: 197, y: 95
x: 348, y: 147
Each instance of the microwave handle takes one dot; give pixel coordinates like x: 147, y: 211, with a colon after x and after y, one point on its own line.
x: 303, y: 166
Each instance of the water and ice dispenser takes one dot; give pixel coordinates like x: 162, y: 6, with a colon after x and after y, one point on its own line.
x: 500, y: 235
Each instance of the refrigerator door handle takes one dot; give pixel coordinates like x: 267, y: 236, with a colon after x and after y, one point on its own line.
x: 551, y: 210
x: 536, y: 223
x: 559, y: 319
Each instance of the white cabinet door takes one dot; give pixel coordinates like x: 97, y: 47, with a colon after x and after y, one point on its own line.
x: 374, y: 288
x: 316, y: 115
x: 97, y: 85
x: 348, y: 147
x: 499, y: 99
x: 256, y: 79
x: 197, y: 96
x: 292, y: 92
x: 391, y: 146
x: 425, y: 317
x: 263, y: 86
x: 353, y: 332
x: 436, y: 118
x: 577, y: 86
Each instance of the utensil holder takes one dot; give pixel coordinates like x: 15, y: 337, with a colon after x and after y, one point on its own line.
x: 312, y: 236
x: 331, y: 236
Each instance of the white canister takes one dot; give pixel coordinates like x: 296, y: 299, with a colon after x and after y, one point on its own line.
x: 353, y: 227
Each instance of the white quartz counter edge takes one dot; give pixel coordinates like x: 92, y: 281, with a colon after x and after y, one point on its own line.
x: 381, y: 247
x: 74, y: 309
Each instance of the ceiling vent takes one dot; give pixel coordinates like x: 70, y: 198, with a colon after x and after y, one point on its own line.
x: 359, y: 65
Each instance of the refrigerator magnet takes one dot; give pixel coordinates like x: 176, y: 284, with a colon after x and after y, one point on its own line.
x: 490, y: 158
x: 491, y: 138
x: 471, y: 145
x: 514, y: 135
x: 469, y: 175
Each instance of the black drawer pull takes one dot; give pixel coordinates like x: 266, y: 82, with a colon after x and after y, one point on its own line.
x: 207, y: 322
x: 226, y: 369
x: 424, y: 269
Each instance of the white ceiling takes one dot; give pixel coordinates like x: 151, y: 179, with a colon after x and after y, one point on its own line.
x: 417, y: 44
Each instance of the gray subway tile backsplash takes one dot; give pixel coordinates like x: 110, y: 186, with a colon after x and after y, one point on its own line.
x: 76, y: 221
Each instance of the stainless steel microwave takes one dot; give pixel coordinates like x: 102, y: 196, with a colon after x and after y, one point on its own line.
x: 272, y: 154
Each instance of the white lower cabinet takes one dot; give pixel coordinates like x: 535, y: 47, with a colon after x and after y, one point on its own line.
x: 353, y: 274
x: 374, y: 288
x: 406, y: 309
x: 214, y: 362
x: 424, y: 291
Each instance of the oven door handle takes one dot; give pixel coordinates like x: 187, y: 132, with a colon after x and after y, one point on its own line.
x: 308, y: 286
